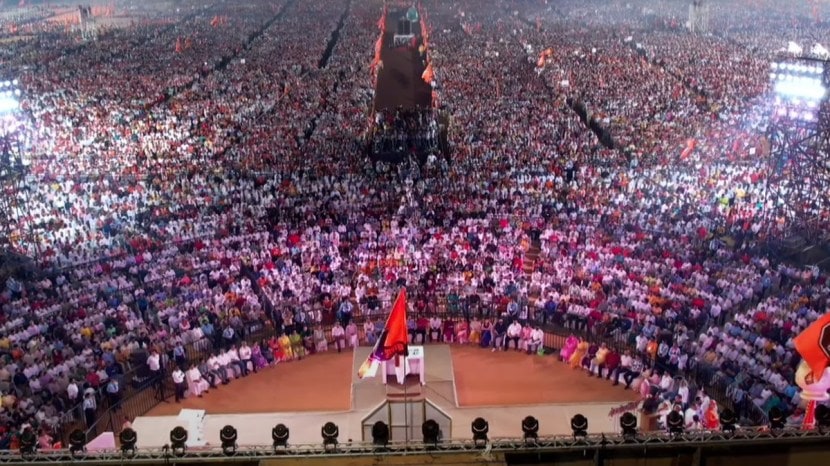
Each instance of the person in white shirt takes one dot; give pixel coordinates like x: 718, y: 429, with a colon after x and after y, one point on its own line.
x: 154, y: 364
x: 338, y: 334
x: 245, y: 357
x: 216, y: 366
x: 179, y: 381
x: 435, y: 329
x: 236, y: 362
x: 195, y: 383
x: 536, y: 337
x: 690, y: 414
x: 514, y: 331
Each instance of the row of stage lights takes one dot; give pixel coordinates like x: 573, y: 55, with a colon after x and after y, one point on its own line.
x: 798, y: 68
x: 430, y: 430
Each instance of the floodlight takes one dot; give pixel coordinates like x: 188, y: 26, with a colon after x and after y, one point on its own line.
x: 330, y: 431
x: 228, y: 436
x: 128, y: 438
x: 480, y: 427
x: 7, y: 84
x: 530, y: 428
x: 628, y: 424
x: 380, y: 434
x: 728, y: 421
x: 178, y: 440
x: 279, y: 434
x: 675, y: 423
x: 777, y: 420
x: 15, y: 82
x: 579, y: 425
x: 801, y: 88
x: 17, y: 92
x: 431, y: 431
x: 77, y: 441
x: 823, y: 417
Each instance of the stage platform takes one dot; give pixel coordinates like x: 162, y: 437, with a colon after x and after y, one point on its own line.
x: 514, y: 379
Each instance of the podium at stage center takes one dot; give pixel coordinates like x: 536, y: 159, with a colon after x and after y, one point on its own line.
x: 412, y: 364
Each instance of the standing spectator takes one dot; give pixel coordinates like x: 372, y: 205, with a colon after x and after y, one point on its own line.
x: 179, y: 382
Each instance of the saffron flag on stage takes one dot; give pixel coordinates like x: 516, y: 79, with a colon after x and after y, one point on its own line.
x: 392, y: 342
x: 813, y: 344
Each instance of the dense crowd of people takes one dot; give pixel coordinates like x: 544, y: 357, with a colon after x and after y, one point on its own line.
x: 195, y: 180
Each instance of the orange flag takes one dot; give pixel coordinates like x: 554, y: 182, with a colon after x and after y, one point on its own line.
x: 813, y: 344
x: 393, y: 340
x: 428, y: 74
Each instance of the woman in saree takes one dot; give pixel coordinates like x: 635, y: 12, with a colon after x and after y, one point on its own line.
x: 297, y: 344
x: 285, y: 346
x: 276, y: 349
x: 257, y: 358
x: 461, y: 332
x: 569, y: 348
x: 576, y: 357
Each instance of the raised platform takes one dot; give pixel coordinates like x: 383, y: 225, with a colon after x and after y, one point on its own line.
x: 452, y: 373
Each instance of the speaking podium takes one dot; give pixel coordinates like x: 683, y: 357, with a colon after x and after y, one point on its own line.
x: 412, y: 364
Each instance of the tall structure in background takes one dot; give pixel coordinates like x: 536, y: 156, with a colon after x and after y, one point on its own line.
x: 798, y: 135
x: 87, y: 25
x: 14, y: 196
x: 699, y: 16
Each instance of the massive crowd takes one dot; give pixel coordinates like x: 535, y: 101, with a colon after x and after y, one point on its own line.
x: 194, y: 181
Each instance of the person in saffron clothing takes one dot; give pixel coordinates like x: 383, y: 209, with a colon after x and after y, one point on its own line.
x: 285, y: 346
x: 576, y: 358
x: 711, y: 418
x: 276, y: 349
x: 475, y: 331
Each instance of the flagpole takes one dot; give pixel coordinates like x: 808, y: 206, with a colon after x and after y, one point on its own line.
x: 405, y: 409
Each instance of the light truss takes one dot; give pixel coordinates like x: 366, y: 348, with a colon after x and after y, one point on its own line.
x: 556, y: 444
x: 798, y: 161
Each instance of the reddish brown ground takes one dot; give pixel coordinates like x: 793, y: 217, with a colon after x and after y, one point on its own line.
x: 321, y: 382
x: 484, y: 378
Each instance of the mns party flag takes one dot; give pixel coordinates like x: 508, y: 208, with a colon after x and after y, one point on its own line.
x: 392, y: 342
x: 813, y: 344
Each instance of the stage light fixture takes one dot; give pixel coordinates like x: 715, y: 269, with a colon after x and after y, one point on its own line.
x: 675, y: 423
x: 128, y: 438
x: 380, y: 434
x: 628, y: 424
x: 77, y: 442
x: 28, y: 442
x: 178, y: 440
x: 777, y: 420
x: 530, y: 428
x: 579, y: 425
x: 480, y: 427
x: 728, y: 421
x: 431, y: 431
x: 330, y: 431
x: 279, y: 434
x: 228, y: 436
x: 823, y: 417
